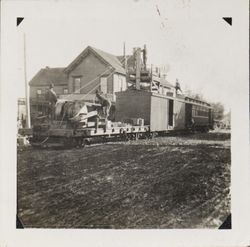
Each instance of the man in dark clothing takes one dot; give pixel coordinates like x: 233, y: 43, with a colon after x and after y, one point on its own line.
x: 52, y: 99
x: 177, y: 86
x: 105, y: 103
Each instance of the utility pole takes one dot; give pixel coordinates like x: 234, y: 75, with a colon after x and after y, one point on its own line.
x: 145, y: 57
x: 28, y: 125
x: 125, y: 58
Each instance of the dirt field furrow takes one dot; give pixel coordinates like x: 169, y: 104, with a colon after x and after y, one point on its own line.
x: 166, y: 182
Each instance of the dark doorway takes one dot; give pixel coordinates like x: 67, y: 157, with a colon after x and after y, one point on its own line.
x: 188, y: 115
x: 210, y: 117
x: 170, y: 112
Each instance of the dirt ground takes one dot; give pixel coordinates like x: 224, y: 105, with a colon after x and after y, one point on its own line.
x: 166, y: 182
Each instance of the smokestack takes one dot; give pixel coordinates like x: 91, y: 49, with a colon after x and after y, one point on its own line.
x: 138, y: 68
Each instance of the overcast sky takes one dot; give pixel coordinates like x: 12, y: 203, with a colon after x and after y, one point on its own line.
x: 187, y: 36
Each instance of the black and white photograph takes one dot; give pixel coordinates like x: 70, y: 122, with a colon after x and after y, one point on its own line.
x: 127, y: 115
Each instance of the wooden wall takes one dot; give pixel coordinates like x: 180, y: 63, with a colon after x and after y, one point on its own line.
x: 153, y: 108
x: 57, y: 88
x: 89, y: 68
x: 179, y: 115
x: 133, y: 104
x: 159, y: 113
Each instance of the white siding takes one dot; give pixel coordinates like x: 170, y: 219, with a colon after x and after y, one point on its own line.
x: 119, y: 83
x: 104, y: 84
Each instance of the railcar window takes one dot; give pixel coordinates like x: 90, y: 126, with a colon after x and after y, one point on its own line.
x: 200, y: 111
x: 77, y: 85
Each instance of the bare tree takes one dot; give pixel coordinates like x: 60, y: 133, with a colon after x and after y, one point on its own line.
x: 194, y: 95
x: 218, y: 110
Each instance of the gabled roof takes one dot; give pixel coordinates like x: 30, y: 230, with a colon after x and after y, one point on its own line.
x: 45, y: 76
x: 108, y: 58
x: 130, y: 60
x: 121, y: 58
x: 198, y: 101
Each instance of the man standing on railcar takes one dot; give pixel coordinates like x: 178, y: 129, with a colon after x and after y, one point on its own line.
x: 193, y: 127
x: 51, y: 97
x: 177, y: 86
x: 105, y: 103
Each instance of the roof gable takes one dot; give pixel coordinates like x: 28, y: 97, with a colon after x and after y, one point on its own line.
x: 130, y: 61
x: 107, y: 58
x: 44, y: 77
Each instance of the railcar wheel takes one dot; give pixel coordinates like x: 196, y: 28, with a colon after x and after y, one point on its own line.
x: 206, y: 129
x: 149, y: 135
x: 136, y: 136
x: 124, y: 136
x: 87, y: 141
x: 140, y: 136
x: 80, y: 143
x: 132, y: 137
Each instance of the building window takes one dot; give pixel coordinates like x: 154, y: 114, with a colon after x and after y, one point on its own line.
x: 77, y: 85
x: 65, y: 91
x: 39, y: 92
x: 104, y: 84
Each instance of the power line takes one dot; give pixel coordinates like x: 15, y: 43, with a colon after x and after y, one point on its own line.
x: 88, y: 83
x: 96, y: 86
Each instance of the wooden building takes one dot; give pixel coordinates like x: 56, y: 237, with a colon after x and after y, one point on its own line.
x: 105, y: 72
x: 91, y: 70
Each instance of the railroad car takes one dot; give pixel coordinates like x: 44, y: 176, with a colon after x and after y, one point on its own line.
x: 164, y: 113
x: 138, y: 114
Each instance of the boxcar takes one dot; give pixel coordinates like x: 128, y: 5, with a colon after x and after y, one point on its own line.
x: 162, y: 112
